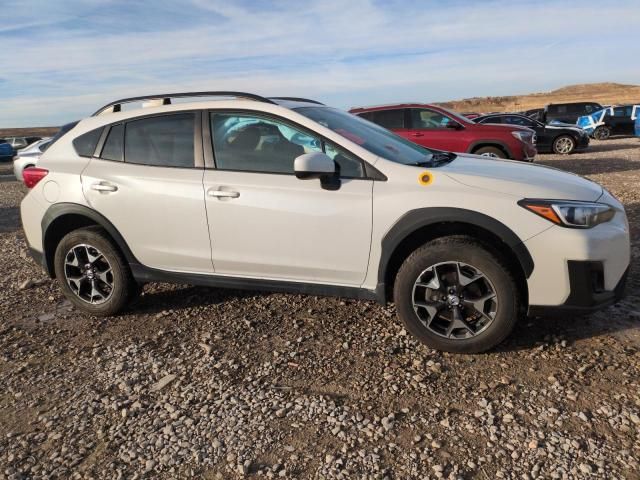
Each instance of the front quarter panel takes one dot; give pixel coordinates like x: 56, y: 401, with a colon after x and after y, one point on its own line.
x: 405, y: 191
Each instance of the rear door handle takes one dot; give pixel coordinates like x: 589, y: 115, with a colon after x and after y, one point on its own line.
x: 104, y: 187
x: 223, y: 194
x: 417, y: 134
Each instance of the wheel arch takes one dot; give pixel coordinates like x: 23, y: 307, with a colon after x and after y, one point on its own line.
x: 62, y: 218
x: 491, y: 143
x: 422, y: 225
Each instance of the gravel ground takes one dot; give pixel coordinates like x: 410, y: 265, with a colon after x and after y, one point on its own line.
x: 198, y: 382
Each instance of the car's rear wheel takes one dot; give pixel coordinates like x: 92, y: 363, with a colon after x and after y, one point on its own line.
x: 92, y: 272
x: 455, y: 295
x: 564, y: 145
x: 602, y: 132
x: 493, y: 152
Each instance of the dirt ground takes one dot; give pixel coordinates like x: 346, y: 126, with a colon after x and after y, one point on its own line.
x: 206, y: 383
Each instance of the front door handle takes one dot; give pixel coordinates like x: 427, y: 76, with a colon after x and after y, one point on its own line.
x: 104, y: 187
x: 417, y: 134
x: 223, y: 194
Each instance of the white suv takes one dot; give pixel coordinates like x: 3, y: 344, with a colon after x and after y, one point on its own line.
x: 286, y: 194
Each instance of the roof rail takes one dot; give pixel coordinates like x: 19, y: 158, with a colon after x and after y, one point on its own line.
x: 117, y: 105
x: 297, y: 99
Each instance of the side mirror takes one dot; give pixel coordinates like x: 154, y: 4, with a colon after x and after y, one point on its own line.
x: 314, y: 165
x: 318, y: 165
x: 454, y: 125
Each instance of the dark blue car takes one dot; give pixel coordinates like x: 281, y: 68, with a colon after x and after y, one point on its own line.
x: 6, y: 151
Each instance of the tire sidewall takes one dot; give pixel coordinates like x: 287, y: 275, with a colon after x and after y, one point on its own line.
x: 121, y: 273
x: 470, y: 253
x: 495, y: 150
x: 599, y: 136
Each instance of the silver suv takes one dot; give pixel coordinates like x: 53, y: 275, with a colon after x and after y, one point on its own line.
x: 287, y: 194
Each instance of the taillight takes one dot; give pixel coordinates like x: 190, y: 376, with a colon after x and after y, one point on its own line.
x: 33, y: 175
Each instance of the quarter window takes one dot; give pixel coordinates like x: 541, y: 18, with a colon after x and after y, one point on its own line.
x: 164, y: 141
x: 256, y: 144
x: 86, y: 143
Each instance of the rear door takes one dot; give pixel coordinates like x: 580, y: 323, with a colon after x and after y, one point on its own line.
x: 146, y: 179
x: 393, y: 119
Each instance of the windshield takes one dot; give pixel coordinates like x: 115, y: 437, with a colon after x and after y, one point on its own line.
x: 368, y: 135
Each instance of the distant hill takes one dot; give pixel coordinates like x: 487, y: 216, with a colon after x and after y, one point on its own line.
x: 604, y: 93
x: 28, y: 132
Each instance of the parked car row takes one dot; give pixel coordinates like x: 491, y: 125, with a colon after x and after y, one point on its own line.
x: 10, y: 146
x: 29, y: 156
x: 600, y: 122
x: 610, y: 121
x: 560, y: 139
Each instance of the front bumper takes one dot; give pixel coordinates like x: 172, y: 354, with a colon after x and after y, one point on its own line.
x: 529, y: 152
x: 567, y: 259
x: 587, y: 294
x: 582, y: 143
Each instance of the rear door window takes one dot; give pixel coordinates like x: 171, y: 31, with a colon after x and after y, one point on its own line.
x: 491, y: 120
x: 390, y: 119
x: 163, y: 141
x: 516, y: 120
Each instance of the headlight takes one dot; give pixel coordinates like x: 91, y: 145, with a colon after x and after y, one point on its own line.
x: 569, y: 213
x: 524, y: 136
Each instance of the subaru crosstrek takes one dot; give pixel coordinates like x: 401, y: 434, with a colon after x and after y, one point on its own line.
x: 287, y: 194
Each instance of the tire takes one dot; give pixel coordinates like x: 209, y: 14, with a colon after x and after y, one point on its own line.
x: 466, y: 258
x: 564, y: 145
x: 602, y: 133
x: 92, y: 272
x: 493, y: 152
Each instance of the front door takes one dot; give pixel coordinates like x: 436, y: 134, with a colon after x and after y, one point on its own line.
x: 147, y: 182
x: 432, y: 129
x: 266, y: 223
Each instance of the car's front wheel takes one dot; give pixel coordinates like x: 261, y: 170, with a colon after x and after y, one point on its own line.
x: 455, y: 295
x: 92, y: 272
x: 602, y: 132
x: 564, y: 145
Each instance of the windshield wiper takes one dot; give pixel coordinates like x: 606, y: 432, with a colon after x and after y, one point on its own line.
x: 436, y: 158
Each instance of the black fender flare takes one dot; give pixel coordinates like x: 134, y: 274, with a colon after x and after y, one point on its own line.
x: 490, y: 141
x: 59, y: 210
x: 423, y: 217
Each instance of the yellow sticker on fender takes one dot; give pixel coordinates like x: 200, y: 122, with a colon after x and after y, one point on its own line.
x: 425, y: 178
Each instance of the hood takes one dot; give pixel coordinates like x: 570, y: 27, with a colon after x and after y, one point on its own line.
x: 522, y: 180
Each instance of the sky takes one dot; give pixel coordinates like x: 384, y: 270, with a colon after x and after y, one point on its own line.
x: 63, y: 59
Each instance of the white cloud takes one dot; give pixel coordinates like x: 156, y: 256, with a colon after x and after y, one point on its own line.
x: 348, y: 52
